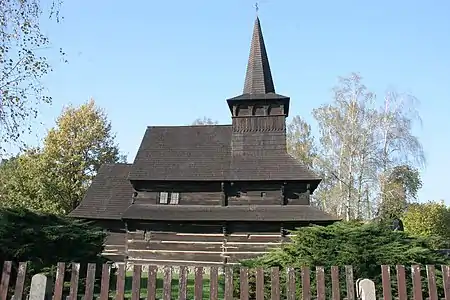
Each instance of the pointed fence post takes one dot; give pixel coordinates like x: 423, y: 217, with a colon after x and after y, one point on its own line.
x: 366, y: 289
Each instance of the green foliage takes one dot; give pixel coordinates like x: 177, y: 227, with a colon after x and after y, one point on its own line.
x: 54, y: 179
x: 23, y: 64
x: 44, y: 240
x: 431, y: 219
x: 399, y: 188
x: 365, y: 246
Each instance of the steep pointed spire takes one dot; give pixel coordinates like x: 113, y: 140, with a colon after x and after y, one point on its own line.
x: 258, y: 79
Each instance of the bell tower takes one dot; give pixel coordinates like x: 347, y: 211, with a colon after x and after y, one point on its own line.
x: 258, y: 114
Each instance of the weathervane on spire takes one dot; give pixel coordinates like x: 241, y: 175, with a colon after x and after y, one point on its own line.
x: 256, y: 7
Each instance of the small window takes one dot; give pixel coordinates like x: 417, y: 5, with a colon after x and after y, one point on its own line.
x: 174, y: 198
x: 263, y: 194
x: 163, y: 197
x: 169, y: 198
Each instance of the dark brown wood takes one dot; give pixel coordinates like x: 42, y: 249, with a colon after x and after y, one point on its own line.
x: 431, y: 278
x: 290, y: 285
x: 5, y: 280
x: 167, y: 284
x: 104, y: 287
x: 213, y: 283
x: 20, y: 281
x: 275, y: 283
x: 401, y: 283
x: 151, y: 282
x: 198, y: 283
x: 136, y: 282
x: 243, y: 284
x: 446, y: 281
x: 182, y: 283
x: 350, y: 283
x: 306, y: 284
x: 228, y: 283
x: 90, y: 281
x: 386, y: 282
x: 320, y: 281
x: 120, y: 284
x: 259, y: 283
x: 335, y: 289
x: 417, y: 282
x: 59, y: 281
x: 75, y: 275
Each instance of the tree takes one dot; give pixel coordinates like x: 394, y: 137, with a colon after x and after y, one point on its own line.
x: 75, y: 149
x: 44, y: 240
x: 429, y: 219
x: 365, y: 246
x: 300, y: 142
x: 204, y: 121
x: 55, y: 178
x: 360, y: 145
x: 399, y: 189
x: 22, y: 64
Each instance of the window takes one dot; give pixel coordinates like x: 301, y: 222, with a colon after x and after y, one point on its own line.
x: 174, y: 197
x: 163, y: 197
x: 263, y: 194
x: 169, y: 198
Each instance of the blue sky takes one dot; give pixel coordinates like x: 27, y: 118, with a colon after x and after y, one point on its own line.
x: 169, y: 62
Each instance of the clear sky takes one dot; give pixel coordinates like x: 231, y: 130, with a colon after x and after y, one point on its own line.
x: 169, y: 62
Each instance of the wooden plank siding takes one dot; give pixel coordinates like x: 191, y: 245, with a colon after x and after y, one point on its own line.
x: 115, y: 246
x: 199, y: 249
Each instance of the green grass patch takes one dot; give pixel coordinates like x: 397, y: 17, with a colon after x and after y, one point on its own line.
x: 175, y: 286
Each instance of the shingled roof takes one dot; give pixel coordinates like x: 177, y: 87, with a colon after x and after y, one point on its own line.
x: 204, y: 153
x: 109, y: 194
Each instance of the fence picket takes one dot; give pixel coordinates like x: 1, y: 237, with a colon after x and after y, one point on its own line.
x: 401, y: 283
x: 386, y: 282
x: 290, y: 285
x: 243, y: 284
x: 198, y: 284
x: 5, y: 280
x: 90, y: 279
x: 306, y: 284
x: 120, y: 283
x: 417, y: 282
x: 136, y: 282
x: 446, y: 281
x: 229, y: 283
x: 431, y: 278
x: 350, y: 283
x: 275, y: 283
x: 167, y: 284
x: 320, y: 283
x: 213, y: 283
x: 260, y: 284
x: 20, y: 281
x: 75, y: 275
x: 182, y: 283
x: 335, y: 289
x: 151, y: 282
x: 104, y: 284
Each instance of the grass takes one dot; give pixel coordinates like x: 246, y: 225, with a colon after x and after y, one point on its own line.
x: 175, y: 285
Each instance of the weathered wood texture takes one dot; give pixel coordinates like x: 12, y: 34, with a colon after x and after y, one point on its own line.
x: 200, y: 249
x: 115, y: 246
x: 201, y: 283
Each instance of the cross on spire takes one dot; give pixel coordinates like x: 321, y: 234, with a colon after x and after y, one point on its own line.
x: 256, y: 7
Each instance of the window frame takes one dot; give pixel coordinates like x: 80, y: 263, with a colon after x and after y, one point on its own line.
x: 171, y: 198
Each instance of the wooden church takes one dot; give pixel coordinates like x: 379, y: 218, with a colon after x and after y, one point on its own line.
x: 208, y: 194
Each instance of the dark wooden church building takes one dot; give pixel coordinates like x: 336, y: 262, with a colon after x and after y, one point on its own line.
x: 208, y: 194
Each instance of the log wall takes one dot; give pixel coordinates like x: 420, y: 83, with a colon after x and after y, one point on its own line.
x: 171, y: 248
x: 115, y: 246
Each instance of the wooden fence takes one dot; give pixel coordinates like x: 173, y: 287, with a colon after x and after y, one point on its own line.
x: 152, y: 282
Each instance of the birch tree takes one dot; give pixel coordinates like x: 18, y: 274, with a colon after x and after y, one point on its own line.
x: 23, y: 64
x: 300, y: 141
